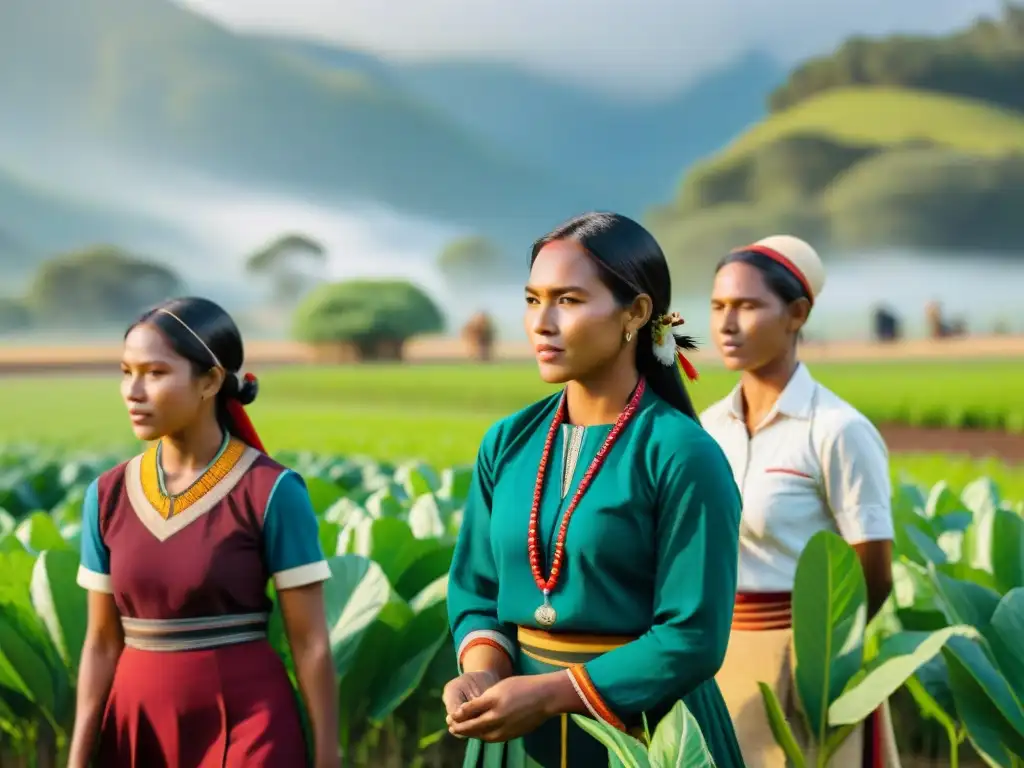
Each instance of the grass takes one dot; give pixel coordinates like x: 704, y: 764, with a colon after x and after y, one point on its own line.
x: 885, y: 116
x: 440, y: 412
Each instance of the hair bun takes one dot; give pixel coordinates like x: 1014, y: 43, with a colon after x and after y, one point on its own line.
x: 248, y: 388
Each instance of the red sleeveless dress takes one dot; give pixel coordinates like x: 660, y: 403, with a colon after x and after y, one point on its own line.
x: 198, y: 684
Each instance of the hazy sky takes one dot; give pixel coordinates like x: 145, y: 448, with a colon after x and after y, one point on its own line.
x: 647, y: 45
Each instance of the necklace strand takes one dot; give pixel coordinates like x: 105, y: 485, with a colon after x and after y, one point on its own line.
x: 533, y: 542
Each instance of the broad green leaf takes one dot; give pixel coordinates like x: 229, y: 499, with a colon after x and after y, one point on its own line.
x: 829, y: 615
x: 15, y: 575
x: 965, y: 602
x: 1005, y: 636
x: 425, y: 518
x: 343, y: 511
x: 61, y: 606
x: 1007, y: 549
x: 926, y: 546
x: 941, y: 500
x: 678, y: 741
x: 956, y: 521
x: 623, y: 747
x: 981, y: 497
x: 23, y: 664
x: 7, y: 523
x: 417, y: 478
x: 430, y: 565
x: 418, y: 643
x: 901, y: 656
x: 965, y: 572
x: 328, y: 534
x: 989, y: 709
x: 354, y: 597
x: 384, y: 503
x: 322, y: 493
x: 38, y: 532
x: 780, y: 727
x: 455, y: 483
x: 435, y: 592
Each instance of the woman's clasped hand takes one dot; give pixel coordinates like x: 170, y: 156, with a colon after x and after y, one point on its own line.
x: 482, y: 706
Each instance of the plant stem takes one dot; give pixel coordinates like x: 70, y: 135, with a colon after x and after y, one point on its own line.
x: 954, y: 746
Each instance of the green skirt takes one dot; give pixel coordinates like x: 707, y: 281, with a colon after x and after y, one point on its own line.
x: 560, y: 743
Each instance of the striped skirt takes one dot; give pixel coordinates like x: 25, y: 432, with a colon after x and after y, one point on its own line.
x: 560, y: 743
x: 761, y: 650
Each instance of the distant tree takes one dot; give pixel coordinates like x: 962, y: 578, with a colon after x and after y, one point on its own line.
x: 293, y: 262
x: 365, y: 319
x: 98, y: 286
x: 469, y: 260
x: 14, y: 315
x: 984, y: 61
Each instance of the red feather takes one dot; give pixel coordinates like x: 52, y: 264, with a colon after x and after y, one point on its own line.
x: 688, y: 369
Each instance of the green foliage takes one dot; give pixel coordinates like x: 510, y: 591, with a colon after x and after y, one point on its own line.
x: 292, y: 262
x: 932, y: 198
x: 858, y: 167
x: 98, y: 286
x: 469, y: 260
x: 677, y: 742
x: 366, y: 313
x: 950, y: 632
x: 389, y: 528
x: 985, y: 61
x: 15, y: 315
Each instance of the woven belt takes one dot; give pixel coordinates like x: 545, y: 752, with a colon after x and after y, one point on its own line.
x: 194, y: 634
x: 762, y: 611
x: 564, y: 650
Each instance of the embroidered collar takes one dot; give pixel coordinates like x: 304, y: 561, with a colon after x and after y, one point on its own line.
x: 151, y: 476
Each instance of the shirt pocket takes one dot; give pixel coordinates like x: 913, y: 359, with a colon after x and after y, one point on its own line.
x: 783, y: 501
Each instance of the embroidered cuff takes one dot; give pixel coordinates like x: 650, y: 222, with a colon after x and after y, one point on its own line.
x: 302, y: 575
x: 485, y: 637
x: 591, y: 698
x: 94, y: 582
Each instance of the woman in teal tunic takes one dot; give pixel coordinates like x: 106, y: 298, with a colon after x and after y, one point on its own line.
x: 626, y: 609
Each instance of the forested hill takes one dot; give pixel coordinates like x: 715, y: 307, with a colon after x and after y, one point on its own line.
x: 902, y: 141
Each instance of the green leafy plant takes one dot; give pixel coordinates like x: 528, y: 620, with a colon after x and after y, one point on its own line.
x: 946, y: 634
x: 677, y: 742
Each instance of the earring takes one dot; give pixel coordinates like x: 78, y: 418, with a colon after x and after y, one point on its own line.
x: 629, y: 336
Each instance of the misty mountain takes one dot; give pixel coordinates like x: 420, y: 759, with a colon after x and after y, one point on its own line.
x: 629, y: 152
x: 488, y: 147
x: 157, y: 81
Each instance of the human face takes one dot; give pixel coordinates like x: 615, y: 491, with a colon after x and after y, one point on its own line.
x: 574, y: 322
x: 159, y: 387
x: 752, y: 327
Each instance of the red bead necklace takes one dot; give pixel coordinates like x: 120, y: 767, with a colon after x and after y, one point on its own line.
x: 545, y: 614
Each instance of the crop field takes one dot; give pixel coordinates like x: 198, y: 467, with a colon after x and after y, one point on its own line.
x: 439, y: 412
x: 385, y: 451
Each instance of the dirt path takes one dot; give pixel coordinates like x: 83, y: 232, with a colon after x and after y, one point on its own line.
x: 976, y: 443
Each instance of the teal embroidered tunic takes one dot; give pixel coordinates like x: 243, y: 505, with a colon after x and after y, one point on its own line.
x: 650, y: 553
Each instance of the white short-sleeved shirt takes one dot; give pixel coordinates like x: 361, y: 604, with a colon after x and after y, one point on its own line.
x: 814, y: 463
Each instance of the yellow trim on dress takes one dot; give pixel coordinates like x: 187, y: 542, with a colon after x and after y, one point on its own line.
x: 206, y: 482
x: 571, y: 643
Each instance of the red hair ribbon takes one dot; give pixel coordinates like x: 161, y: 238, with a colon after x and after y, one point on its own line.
x: 241, y: 423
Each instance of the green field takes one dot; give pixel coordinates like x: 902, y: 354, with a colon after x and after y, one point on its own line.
x: 440, y: 412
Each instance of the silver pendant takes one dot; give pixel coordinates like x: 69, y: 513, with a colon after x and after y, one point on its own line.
x: 545, y: 614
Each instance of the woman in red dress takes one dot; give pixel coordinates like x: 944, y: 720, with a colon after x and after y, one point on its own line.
x: 178, y: 546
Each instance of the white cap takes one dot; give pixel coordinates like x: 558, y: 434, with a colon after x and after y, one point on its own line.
x: 797, y: 256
